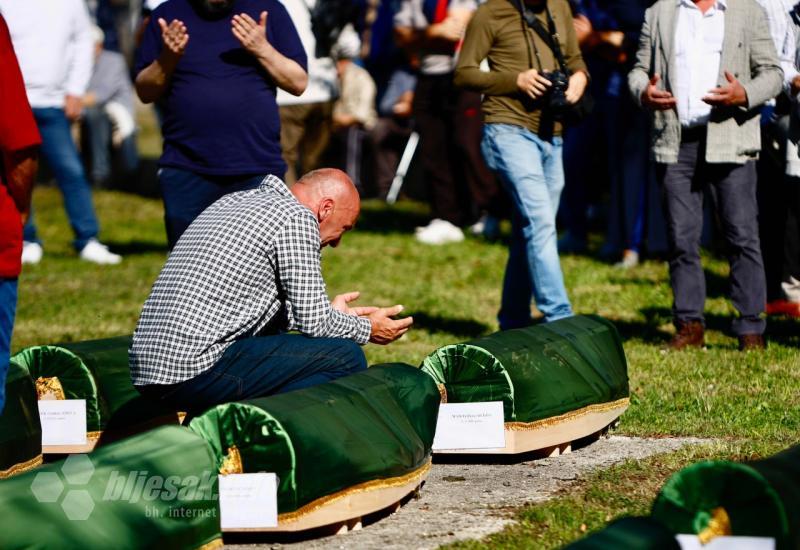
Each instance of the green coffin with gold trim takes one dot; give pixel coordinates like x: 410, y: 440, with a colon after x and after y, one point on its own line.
x: 94, y: 370
x: 154, y: 490
x: 758, y: 499
x: 20, y: 431
x: 537, y: 372
x: 365, y: 428
x: 634, y: 533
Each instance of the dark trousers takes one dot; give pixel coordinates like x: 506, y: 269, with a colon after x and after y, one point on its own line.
x: 450, y: 128
x: 733, y: 188
x: 8, y: 308
x: 260, y: 366
x: 388, y: 141
x: 791, y: 239
x: 187, y: 194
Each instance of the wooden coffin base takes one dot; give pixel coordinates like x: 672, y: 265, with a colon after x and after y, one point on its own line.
x: 343, y: 511
x: 554, y: 436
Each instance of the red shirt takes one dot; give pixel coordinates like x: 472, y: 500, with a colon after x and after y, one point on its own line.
x: 17, y: 131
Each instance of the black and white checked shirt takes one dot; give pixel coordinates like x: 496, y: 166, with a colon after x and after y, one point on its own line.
x: 250, y: 261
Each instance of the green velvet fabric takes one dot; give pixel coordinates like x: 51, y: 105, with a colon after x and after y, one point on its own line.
x: 761, y: 498
x: 537, y: 372
x: 372, y: 425
x: 20, y: 431
x: 183, y: 514
x: 632, y: 533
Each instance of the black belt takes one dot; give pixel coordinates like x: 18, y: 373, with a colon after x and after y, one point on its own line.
x: 693, y: 134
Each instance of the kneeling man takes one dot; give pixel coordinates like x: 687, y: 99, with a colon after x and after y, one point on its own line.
x: 244, y: 272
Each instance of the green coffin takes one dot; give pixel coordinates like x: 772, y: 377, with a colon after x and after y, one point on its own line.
x: 20, y: 431
x: 155, y: 490
x: 759, y: 499
x: 537, y: 372
x: 370, y: 426
x: 97, y: 371
x: 629, y: 534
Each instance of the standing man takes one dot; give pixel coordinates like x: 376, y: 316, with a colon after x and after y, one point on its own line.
x: 53, y: 41
x: 704, y: 68
x: 522, y: 138
x: 247, y: 270
x: 217, y: 65
x: 19, y: 140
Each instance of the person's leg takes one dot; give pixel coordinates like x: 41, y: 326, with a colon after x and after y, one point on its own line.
x: 682, y: 192
x: 129, y: 154
x: 791, y: 242
x: 318, y: 129
x: 8, y: 307
x: 735, y: 196
x: 293, y: 120
x: 98, y: 127
x: 260, y: 366
x: 388, y: 139
x: 185, y: 195
x: 62, y: 156
x: 515, y: 304
x: 532, y: 172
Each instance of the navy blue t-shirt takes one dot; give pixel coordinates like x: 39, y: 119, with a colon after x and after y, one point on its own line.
x: 220, y: 114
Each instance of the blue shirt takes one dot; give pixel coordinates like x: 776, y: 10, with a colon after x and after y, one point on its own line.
x: 220, y: 114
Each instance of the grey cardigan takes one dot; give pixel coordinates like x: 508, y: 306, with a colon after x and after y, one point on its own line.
x: 747, y: 52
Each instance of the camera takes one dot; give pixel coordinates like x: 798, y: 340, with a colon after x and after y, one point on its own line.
x: 556, y: 98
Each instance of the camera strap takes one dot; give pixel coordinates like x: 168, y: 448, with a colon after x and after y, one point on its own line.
x: 549, y: 38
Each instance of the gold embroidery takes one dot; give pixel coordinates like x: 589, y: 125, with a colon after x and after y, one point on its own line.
x: 232, y: 462
x: 49, y: 388
x: 34, y: 462
x: 442, y: 392
x: 212, y: 545
x: 600, y: 407
x: 718, y: 526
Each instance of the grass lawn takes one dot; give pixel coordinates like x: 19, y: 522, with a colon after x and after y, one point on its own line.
x: 748, y: 404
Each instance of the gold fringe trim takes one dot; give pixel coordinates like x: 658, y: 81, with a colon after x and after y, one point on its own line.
x: 30, y: 464
x: 181, y: 417
x: 212, y: 545
x: 442, y: 392
x: 572, y: 415
x: 50, y: 389
x: 388, y: 483
x: 232, y: 462
x: 718, y: 526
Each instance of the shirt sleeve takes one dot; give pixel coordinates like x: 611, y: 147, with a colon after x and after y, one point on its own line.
x: 308, y: 309
x: 282, y: 34
x: 82, y: 50
x: 17, y: 127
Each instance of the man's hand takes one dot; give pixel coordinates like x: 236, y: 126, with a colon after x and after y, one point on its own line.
x: 175, y: 39
x: 532, y: 83
x: 731, y: 95
x: 795, y: 85
x: 340, y: 303
x: 450, y: 30
x: 385, y: 329
x: 73, y: 107
x: 20, y: 172
x: 583, y: 28
x: 252, y: 35
x: 576, y: 87
x: 658, y: 100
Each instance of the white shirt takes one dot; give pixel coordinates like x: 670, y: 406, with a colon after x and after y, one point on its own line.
x: 322, y: 78
x: 54, y: 45
x: 698, y: 51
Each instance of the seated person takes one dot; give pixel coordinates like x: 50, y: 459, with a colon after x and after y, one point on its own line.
x: 244, y: 272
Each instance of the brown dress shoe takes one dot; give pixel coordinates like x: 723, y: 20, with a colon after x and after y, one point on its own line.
x: 748, y: 342
x: 690, y: 334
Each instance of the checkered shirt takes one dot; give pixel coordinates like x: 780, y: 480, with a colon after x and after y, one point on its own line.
x: 249, y: 262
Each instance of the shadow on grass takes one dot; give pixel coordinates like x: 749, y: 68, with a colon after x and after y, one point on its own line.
x: 130, y: 248
x: 462, y: 328
x: 384, y: 219
x: 716, y: 285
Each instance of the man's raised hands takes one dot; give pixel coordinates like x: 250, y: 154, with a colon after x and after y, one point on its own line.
x: 174, y: 36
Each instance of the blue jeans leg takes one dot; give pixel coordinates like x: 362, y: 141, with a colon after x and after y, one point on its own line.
x: 532, y: 171
x: 62, y: 156
x: 8, y: 308
x: 186, y: 194
x: 98, y: 124
x: 265, y: 365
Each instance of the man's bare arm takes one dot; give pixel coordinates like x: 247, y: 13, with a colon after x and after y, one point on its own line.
x: 287, y: 73
x: 20, y: 173
x: 153, y: 80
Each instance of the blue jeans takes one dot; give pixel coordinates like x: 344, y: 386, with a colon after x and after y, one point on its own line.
x: 533, y: 173
x: 186, y: 194
x: 98, y: 124
x: 260, y: 366
x: 8, y: 307
x: 61, y: 155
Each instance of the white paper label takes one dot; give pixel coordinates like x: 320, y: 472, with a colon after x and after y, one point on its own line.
x: 248, y: 501
x: 63, y: 421
x: 470, y: 426
x: 692, y: 542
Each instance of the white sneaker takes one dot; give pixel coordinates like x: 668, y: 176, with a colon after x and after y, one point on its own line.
x: 487, y: 226
x: 31, y: 252
x: 440, y: 232
x: 98, y: 253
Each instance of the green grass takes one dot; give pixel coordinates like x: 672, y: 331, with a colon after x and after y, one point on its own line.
x: 749, y: 404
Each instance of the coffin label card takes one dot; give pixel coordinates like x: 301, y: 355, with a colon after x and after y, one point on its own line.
x: 63, y: 421
x: 248, y: 501
x: 692, y: 542
x: 470, y: 426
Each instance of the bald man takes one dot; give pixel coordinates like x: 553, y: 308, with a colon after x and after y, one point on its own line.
x: 246, y: 271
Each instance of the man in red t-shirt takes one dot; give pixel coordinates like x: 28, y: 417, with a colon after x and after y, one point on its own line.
x: 19, y: 141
